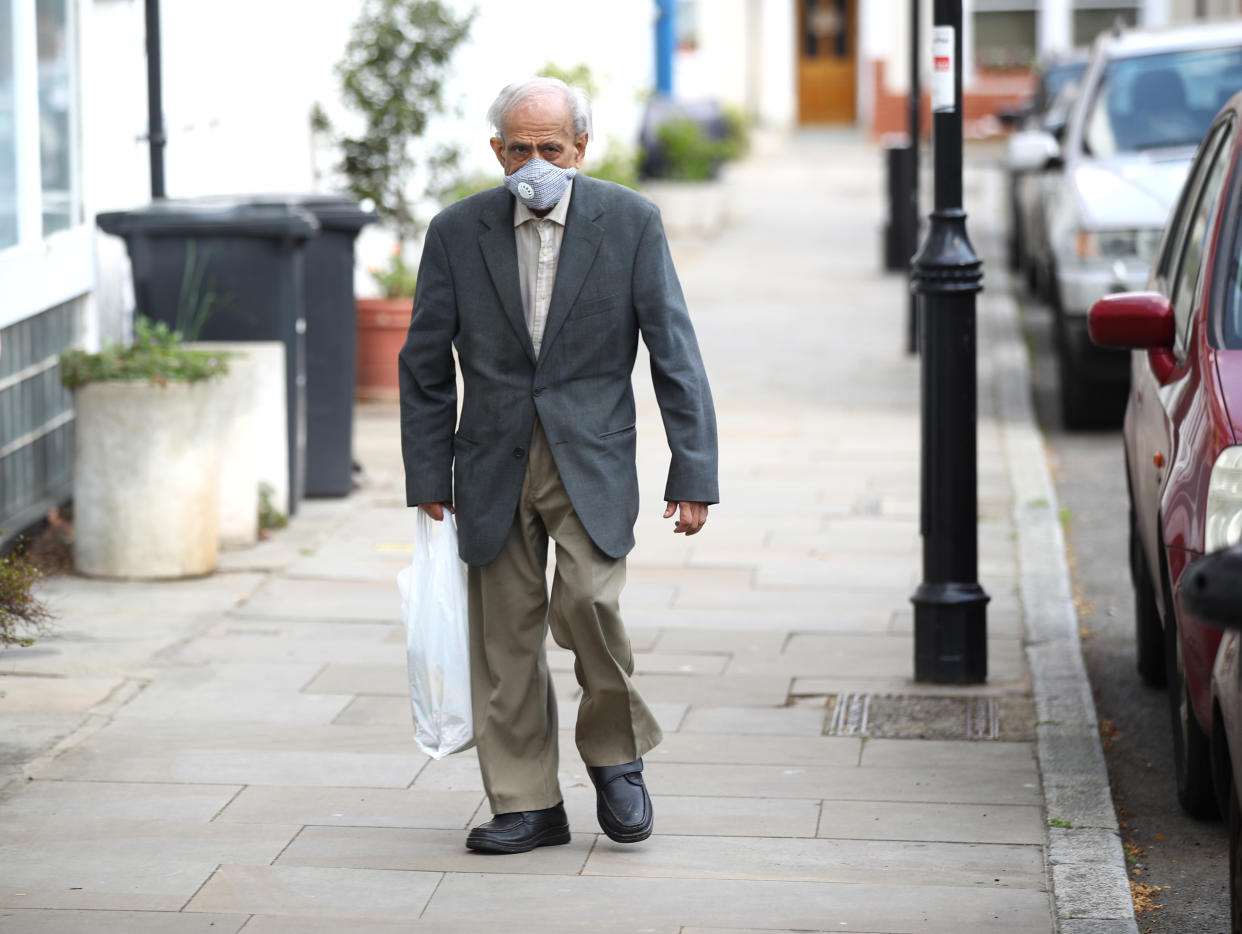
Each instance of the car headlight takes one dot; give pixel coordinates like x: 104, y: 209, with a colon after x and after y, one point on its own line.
x: 1224, y: 501
x: 1140, y: 242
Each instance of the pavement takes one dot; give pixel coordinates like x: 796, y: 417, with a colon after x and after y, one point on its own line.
x: 234, y: 753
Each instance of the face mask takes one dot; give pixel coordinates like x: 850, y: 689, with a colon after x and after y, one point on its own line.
x: 538, y: 184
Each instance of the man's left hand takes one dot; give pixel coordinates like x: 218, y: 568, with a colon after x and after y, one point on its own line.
x: 692, y: 518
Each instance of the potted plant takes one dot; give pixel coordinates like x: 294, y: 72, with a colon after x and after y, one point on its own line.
x: 684, y: 174
x: 148, y: 424
x: 393, y: 77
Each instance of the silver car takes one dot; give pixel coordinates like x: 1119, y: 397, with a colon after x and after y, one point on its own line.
x: 1146, y: 100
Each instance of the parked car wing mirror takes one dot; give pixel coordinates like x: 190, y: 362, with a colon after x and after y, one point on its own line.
x: 1211, y: 588
x: 1032, y: 151
x: 1132, y: 321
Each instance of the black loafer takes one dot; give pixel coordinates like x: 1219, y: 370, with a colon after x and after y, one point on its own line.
x: 521, y: 831
x: 621, y: 801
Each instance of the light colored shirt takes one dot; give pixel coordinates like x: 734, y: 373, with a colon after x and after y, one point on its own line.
x: 538, y: 253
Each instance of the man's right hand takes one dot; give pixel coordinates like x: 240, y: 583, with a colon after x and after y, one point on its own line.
x: 435, y: 510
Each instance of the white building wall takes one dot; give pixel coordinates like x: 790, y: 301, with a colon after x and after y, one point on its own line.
x: 240, y: 79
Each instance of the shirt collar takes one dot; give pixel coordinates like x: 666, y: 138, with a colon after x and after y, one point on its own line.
x: 522, y: 214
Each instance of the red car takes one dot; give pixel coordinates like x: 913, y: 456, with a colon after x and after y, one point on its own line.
x: 1183, y: 435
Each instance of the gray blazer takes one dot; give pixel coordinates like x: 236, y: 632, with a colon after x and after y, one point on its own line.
x: 615, y: 280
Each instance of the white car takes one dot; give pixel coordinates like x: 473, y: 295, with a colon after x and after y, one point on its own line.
x: 1146, y: 100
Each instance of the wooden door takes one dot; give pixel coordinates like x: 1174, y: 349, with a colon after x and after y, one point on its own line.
x: 827, y: 41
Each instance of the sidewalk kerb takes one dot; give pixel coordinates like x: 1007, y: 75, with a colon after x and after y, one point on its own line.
x: 1087, y: 871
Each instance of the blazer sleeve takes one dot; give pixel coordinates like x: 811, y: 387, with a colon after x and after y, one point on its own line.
x: 428, y: 380
x: 677, y: 372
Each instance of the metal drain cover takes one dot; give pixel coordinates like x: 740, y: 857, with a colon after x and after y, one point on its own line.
x: 913, y: 716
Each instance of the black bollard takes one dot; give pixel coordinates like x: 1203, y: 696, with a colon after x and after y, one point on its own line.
x: 915, y: 130
x: 950, y: 607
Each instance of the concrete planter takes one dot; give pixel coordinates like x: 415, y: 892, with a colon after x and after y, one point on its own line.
x: 688, y: 209
x: 254, y: 435
x: 146, y: 486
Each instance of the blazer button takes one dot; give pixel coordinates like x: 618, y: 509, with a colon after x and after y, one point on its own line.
x: 538, y: 390
x: 518, y: 453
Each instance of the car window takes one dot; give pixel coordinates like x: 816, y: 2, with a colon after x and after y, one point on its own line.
x: 1159, y: 101
x: 1181, y: 215
x: 1194, y: 242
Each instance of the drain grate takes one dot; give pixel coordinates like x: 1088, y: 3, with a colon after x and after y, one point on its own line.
x: 911, y: 716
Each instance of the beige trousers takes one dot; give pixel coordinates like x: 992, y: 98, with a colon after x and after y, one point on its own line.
x: 514, y: 700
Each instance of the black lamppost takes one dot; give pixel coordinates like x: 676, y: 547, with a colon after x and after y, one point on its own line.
x: 155, y: 99
x: 950, y: 607
x: 914, y: 121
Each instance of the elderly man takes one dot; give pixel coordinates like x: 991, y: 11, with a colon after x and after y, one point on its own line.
x: 544, y: 285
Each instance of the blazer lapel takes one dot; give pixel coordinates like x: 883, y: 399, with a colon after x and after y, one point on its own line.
x: 578, y: 248
x: 499, y: 245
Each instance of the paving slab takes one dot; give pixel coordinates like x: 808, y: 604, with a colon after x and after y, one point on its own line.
x: 173, y: 702
x: 928, y: 821
x: 122, y: 864
x: 731, y: 902
x: 22, y: 695
x: 749, y: 748
x: 769, y: 721
x: 864, y: 862
x: 422, y: 849
x: 918, y: 753
x: 54, y: 921
x: 286, y: 599
x: 947, y: 786
x: 73, y: 800
x: 737, y: 690
x: 311, y: 891
x: 275, y: 924
x: 352, y: 807
x: 705, y: 816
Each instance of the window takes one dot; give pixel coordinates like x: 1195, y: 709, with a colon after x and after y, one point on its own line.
x: 56, y: 115
x: 45, y: 243
x: 1005, y: 39
x: 1090, y: 21
x: 1160, y: 101
x: 1195, y: 239
x: 8, y: 128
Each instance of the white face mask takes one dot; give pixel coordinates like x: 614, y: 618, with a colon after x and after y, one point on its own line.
x: 538, y: 184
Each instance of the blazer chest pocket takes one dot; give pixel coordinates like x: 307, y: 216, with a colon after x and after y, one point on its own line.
x: 596, y: 306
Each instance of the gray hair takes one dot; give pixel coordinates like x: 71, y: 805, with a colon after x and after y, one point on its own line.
x: 521, y: 91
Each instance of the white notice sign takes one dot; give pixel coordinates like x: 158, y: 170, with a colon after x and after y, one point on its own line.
x: 943, y: 92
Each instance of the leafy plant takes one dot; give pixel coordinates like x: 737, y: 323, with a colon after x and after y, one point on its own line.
x: 269, y: 516
x: 194, y: 305
x: 690, y: 154
x: 397, y: 277
x: 393, y: 75
x: 737, y: 133
x: 576, y: 76
x: 156, y: 355
x: 22, y: 614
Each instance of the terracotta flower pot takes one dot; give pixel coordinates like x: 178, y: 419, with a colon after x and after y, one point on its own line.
x: 382, y: 325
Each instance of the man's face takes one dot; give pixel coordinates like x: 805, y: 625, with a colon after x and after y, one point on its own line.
x: 543, y: 127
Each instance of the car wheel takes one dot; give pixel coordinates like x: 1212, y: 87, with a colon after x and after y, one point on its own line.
x: 1235, y: 862
x: 1148, y: 630
x: 1192, y: 758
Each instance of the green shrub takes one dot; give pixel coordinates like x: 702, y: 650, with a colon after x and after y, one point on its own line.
x: 737, y: 133
x: 619, y: 164
x: 156, y: 355
x: 22, y: 614
x: 690, y: 154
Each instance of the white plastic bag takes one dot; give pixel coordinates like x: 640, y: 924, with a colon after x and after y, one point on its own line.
x: 437, y: 638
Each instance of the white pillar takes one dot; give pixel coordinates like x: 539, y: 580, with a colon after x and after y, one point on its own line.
x: 1054, y: 32
x: 1154, y: 13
